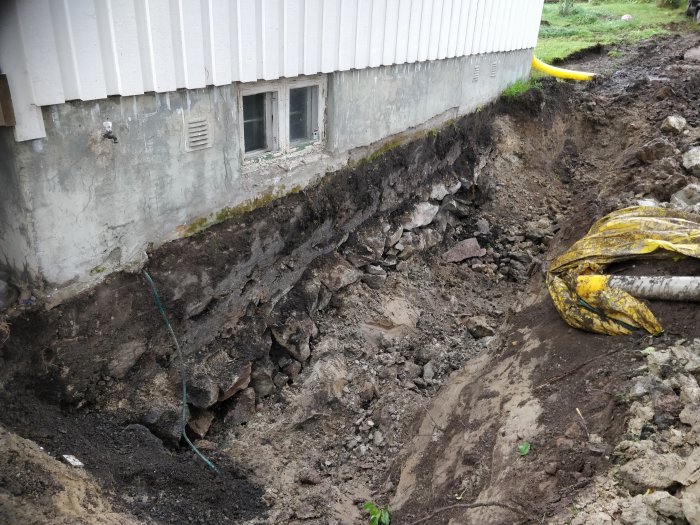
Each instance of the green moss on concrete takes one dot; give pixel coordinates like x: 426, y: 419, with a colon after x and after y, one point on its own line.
x: 97, y: 270
x: 202, y: 223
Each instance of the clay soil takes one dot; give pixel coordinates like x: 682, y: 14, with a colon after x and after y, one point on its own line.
x: 418, y: 391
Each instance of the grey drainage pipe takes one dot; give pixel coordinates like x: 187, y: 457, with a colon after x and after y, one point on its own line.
x: 661, y: 287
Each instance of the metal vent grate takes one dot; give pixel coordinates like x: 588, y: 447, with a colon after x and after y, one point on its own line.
x: 198, y: 134
x: 475, y: 77
x: 493, y: 69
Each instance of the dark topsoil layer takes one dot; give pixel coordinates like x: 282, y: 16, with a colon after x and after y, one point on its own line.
x: 226, y: 286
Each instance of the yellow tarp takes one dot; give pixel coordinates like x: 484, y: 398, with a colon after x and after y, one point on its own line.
x: 582, y: 296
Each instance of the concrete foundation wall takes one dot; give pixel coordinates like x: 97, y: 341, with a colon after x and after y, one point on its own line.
x: 367, y: 105
x: 76, y: 206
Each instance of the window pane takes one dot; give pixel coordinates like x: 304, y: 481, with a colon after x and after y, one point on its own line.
x: 302, y: 110
x: 254, y: 134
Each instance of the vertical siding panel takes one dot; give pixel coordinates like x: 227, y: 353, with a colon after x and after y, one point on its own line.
x: 192, y: 38
x: 391, y: 21
x: 30, y: 122
x: 403, y: 27
x: 507, y: 35
x: 377, y: 33
x: 455, y: 18
x: 103, y: 11
x: 425, y: 22
x: 39, y: 41
x: 293, y: 44
x: 414, y: 31
x: 248, y: 25
x: 494, y: 25
x: 120, y: 47
x: 435, y: 24
x: 84, y: 42
x: 348, y: 34
x: 158, y: 27
x: 469, y: 27
x: 313, y: 31
x: 477, y: 25
x: 272, y: 22
x: 363, y: 33
x: 485, y: 27
x: 331, y: 35
x: 220, y: 31
x: 445, y: 24
x: 235, y: 39
x: 462, y: 27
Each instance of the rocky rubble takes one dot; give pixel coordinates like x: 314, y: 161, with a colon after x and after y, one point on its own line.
x: 656, y: 480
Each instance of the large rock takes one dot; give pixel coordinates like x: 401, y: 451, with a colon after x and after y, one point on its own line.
x: 244, y: 408
x: 690, y: 415
x: 366, y: 245
x: 673, y: 124
x: 651, y: 471
x: 465, y: 249
x: 688, y: 197
x: 665, y: 504
x: 125, y: 357
x: 422, y: 214
x: 691, y: 160
x: 236, y: 382
x: 334, y: 272
x: 690, y: 473
x: 478, y: 326
x: 202, y: 391
x: 690, y: 497
x: 636, y: 512
x: 294, y: 335
x: 200, y: 425
x: 656, y: 149
x: 410, y: 244
x: 327, y: 379
x: 261, y: 377
x: 164, y: 422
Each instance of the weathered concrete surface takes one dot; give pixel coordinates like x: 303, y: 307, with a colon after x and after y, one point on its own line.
x: 367, y: 105
x: 76, y: 206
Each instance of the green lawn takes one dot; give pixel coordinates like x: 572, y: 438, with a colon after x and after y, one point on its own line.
x: 591, y: 24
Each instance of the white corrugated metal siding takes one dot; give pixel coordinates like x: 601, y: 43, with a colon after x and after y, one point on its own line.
x: 58, y: 50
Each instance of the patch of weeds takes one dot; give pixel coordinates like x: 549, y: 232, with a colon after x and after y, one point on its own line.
x: 377, y: 515
x: 524, y: 448
x: 614, y: 53
x: 519, y: 87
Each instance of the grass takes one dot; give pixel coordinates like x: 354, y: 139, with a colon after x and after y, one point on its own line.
x: 601, y: 23
x: 519, y: 87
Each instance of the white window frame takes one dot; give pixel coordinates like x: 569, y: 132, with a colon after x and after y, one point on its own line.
x: 278, y: 131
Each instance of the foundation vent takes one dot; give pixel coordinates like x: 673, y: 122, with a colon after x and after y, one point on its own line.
x: 493, y: 69
x: 475, y: 77
x: 197, y: 134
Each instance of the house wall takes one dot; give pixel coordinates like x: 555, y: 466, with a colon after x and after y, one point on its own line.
x: 59, y: 50
x: 76, y: 206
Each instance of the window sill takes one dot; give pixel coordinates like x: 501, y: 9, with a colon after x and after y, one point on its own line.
x: 294, y: 151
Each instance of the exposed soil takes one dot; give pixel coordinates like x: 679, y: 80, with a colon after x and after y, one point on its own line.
x: 334, y: 359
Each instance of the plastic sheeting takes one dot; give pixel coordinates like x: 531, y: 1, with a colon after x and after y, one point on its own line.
x: 631, y: 233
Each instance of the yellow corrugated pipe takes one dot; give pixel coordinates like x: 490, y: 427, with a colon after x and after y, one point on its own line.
x: 558, y: 72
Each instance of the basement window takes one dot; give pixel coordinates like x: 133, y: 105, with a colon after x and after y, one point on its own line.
x: 303, y: 114
x: 281, y: 117
x: 259, y: 122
